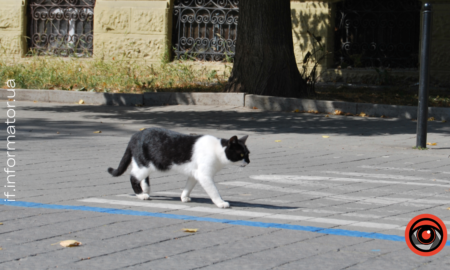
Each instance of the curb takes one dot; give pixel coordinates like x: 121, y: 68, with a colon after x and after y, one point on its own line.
x: 268, y: 103
x: 146, y: 99
x: 265, y: 103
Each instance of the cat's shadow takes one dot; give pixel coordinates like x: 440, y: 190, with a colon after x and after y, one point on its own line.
x: 233, y: 204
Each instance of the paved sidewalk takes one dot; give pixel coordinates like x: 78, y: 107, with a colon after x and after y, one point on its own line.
x: 365, y: 180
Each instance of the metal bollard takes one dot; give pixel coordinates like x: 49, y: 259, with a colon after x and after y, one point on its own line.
x: 422, y: 114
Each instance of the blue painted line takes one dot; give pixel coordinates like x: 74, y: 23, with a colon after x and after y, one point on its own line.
x: 114, y: 211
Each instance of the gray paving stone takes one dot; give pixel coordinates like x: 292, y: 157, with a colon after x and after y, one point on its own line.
x: 71, y: 166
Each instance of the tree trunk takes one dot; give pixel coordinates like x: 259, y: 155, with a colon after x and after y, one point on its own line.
x: 264, y: 62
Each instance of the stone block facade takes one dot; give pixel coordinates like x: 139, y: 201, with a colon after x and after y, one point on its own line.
x: 141, y: 30
x: 12, y: 29
x: 132, y: 30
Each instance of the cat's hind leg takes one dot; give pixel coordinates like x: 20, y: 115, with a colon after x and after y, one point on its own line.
x: 140, y: 181
x: 140, y: 187
x: 190, y: 184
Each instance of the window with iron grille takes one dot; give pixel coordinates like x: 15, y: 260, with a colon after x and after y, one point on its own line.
x: 377, y: 33
x: 205, y: 29
x: 61, y: 27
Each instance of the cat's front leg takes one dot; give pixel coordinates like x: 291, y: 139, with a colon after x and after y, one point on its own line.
x: 190, y: 184
x: 208, y: 185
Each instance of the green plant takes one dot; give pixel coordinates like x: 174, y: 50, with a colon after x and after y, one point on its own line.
x: 384, y: 77
x: 50, y: 72
x: 165, y: 58
x: 317, y: 54
x: 212, y: 75
x: 356, y: 60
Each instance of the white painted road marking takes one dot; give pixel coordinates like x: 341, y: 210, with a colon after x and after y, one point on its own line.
x: 384, y: 176
x: 400, y: 169
x: 331, y: 196
x: 295, y: 180
x: 250, y: 214
x: 204, y: 195
x: 318, y: 211
x: 141, y: 204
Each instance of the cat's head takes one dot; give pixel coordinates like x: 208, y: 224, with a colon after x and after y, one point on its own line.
x: 237, y: 152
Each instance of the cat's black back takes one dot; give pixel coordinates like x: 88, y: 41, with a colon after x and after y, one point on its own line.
x: 162, y: 148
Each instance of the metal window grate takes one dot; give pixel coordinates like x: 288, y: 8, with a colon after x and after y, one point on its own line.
x: 205, y: 30
x: 62, y: 27
x: 377, y: 33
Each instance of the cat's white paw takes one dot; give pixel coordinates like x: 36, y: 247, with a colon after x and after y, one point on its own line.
x: 223, y: 204
x: 143, y: 196
x: 185, y: 199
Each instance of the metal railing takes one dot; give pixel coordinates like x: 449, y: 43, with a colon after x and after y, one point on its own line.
x: 61, y: 27
x: 205, y: 30
x: 377, y: 33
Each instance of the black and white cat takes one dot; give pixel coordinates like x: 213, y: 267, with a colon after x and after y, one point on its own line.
x: 198, y: 157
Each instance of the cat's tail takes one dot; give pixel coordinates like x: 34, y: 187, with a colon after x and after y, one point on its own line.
x: 124, y: 163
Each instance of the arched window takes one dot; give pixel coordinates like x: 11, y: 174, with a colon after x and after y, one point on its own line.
x: 377, y: 33
x: 61, y: 27
x: 205, y: 29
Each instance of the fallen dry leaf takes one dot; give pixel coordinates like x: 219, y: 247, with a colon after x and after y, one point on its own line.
x: 338, y: 112
x: 35, y: 101
x: 255, y: 108
x: 448, y: 208
x: 363, y: 114
x: 190, y: 230
x: 57, y: 132
x: 383, y: 116
x: 349, y: 114
x: 142, y: 129
x: 278, y: 141
x: 99, y: 131
x: 10, y: 99
x: 431, y: 119
x: 70, y: 243
x: 1, y: 248
x: 327, y: 115
x: 325, y: 137
x: 81, y: 102
x: 296, y: 111
x: 1, y: 223
x: 431, y: 143
x: 443, y: 121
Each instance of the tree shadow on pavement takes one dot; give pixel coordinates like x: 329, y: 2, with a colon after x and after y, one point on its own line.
x: 85, y: 119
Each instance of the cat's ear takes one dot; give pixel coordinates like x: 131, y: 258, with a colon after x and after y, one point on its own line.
x: 233, y: 140
x: 243, y: 139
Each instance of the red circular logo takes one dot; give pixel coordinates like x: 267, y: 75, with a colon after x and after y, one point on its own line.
x: 426, y: 235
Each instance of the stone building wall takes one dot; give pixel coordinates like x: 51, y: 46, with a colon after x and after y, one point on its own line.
x: 12, y: 29
x: 141, y: 31
x: 311, y: 20
x: 132, y: 30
